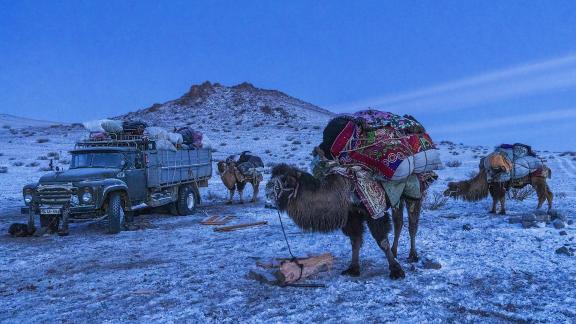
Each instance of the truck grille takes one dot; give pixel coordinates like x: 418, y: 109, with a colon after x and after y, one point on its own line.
x: 54, y: 195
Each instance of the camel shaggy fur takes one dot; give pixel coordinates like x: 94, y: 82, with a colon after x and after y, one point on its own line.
x: 329, y: 204
x: 478, y: 188
x: 234, y: 180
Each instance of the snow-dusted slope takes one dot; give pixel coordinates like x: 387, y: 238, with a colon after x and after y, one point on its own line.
x: 9, y: 121
x: 243, y: 118
x: 212, y: 104
x: 175, y: 269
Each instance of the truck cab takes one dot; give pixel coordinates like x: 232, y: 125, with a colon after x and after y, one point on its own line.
x: 108, y: 179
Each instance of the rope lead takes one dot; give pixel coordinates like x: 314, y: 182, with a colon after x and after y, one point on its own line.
x: 294, y: 259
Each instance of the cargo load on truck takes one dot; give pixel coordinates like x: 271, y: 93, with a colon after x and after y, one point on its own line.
x: 180, y: 138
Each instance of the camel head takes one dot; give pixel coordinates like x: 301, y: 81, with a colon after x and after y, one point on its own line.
x: 221, y: 165
x: 283, y: 185
x: 226, y: 171
x: 313, y: 204
x: 454, y: 190
x: 473, y: 189
x: 227, y: 164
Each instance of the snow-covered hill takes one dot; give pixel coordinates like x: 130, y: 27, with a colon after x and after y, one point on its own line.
x: 212, y: 104
x: 242, y: 117
x: 10, y: 121
x: 176, y: 269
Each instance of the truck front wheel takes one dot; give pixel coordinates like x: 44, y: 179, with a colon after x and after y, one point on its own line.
x: 115, y: 213
x: 187, y: 201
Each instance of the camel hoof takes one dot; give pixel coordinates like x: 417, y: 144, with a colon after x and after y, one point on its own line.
x: 503, y: 212
x: 241, y: 202
x: 229, y: 202
x: 396, y: 272
x: 413, y: 257
x: 492, y: 212
x: 352, y: 271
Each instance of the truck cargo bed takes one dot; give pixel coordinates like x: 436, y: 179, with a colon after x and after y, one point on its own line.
x: 164, y: 167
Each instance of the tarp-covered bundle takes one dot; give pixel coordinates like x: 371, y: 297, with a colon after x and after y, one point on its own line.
x: 109, y: 129
x: 392, y: 146
x: 249, y: 165
x: 191, y: 137
x: 512, y: 161
x: 134, y: 127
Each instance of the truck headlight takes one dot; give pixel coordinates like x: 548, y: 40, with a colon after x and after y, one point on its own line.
x: 87, y: 197
x: 74, y: 200
x: 28, y: 197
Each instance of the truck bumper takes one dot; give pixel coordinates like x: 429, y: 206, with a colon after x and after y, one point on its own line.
x: 73, y: 210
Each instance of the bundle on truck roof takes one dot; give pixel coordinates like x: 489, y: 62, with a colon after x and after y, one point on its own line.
x: 116, y: 130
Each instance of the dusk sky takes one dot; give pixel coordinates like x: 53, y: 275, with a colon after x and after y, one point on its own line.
x: 467, y: 69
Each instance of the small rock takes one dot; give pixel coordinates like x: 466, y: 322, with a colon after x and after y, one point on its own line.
x: 431, y: 264
x: 540, y: 212
x: 562, y: 233
x: 529, y: 218
x: 558, y: 224
x: 531, y: 224
x: 570, y: 222
x: 467, y: 227
x: 515, y: 220
x: 564, y: 250
x: 543, y: 218
x: 555, y: 214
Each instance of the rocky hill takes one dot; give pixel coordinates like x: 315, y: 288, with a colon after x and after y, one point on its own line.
x: 243, y: 104
x: 243, y: 117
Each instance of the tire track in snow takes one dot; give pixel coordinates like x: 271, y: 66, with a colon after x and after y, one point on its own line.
x: 567, y: 166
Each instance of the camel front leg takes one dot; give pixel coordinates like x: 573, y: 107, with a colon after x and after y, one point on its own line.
x: 549, y: 197
x: 354, y: 230
x: 503, y: 204
x: 414, y: 209
x: 494, y: 199
x: 255, y: 191
x: 231, y: 194
x: 379, y: 228
x: 398, y: 220
x: 241, y: 193
x: 354, y: 268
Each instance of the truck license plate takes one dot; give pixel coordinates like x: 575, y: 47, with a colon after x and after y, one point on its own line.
x: 50, y: 211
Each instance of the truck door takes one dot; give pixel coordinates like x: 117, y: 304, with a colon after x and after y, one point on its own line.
x: 136, y: 178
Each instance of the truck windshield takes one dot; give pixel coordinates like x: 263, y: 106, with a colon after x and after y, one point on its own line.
x: 97, y: 160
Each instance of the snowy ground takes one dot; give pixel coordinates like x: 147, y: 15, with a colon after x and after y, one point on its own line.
x: 174, y: 269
